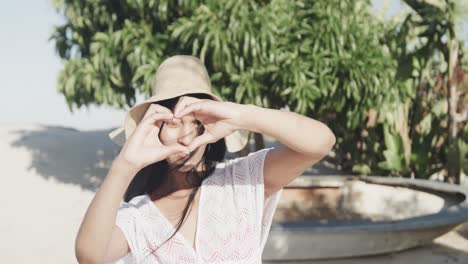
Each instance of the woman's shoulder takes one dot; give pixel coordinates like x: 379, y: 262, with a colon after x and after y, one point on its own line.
x: 251, y: 158
x: 136, y: 209
x: 245, y: 170
x: 138, y: 200
x: 136, y: 203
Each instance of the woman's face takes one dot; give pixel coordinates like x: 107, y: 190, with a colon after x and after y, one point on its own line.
x: 183, y: 132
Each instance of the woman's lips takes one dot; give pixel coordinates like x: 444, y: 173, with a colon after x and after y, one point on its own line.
x: 181, y: 157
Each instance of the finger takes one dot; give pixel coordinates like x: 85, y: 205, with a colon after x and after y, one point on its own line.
x: 181, y: 104
x: 200, y: 140
x: 174, y: 149
x: 148, y: 123
x: 153, y: 108
x: 153, y: 134
x: 184, y: 101
x: 151, y: 119
x: 199, y: 107
x: 161, y: 108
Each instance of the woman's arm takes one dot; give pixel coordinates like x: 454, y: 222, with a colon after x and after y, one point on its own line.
x: 142, y: 148
x: 300, y: 133
x: 97, y: 227
x: 306, y: 141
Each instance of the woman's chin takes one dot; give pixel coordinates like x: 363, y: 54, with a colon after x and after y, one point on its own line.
x: 185, y: 166
x: 183, y: 169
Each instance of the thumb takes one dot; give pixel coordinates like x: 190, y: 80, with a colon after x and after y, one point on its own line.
x: 200, y: 140
x: 175, y: 149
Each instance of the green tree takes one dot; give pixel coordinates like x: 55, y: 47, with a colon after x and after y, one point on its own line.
x: 320, y: 58
x: 424, y: 134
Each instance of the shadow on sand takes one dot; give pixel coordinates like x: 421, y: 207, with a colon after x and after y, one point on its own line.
x: 83, y: 157
x: 68, y: 155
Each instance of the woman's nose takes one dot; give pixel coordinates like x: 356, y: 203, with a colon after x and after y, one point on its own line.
x: 186, y: 135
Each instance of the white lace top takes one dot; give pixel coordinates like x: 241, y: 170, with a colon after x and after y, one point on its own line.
x: 233, y: 221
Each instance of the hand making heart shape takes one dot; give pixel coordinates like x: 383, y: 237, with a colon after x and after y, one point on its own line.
x: 144, y: 146
x: 219, y: 119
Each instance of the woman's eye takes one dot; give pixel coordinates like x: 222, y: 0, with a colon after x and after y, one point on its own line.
x: 173, y: 124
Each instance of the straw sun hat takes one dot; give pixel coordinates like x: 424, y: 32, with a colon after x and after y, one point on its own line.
x: 177, y: 75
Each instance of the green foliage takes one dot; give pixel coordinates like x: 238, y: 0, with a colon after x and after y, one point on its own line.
x: 327, y: 59
x: 394, y: 161
x: 321, y: 58
x: 463, y: 143
x: 313, y: 56
x: 112, y: 48
x: 419, y: 43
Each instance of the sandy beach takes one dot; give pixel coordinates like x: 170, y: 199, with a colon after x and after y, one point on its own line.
x: 50, y: 174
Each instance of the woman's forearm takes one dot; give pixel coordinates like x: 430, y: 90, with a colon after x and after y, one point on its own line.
x: 97, y: 225
x: 298, y: 132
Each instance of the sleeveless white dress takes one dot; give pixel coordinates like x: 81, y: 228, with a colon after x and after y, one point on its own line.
x: 233, y: 220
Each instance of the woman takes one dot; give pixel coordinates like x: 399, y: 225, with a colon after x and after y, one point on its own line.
x: 181, y: 205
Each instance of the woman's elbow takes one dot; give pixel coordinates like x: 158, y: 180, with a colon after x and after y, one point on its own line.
x: 331, y: 141
x: 326, y: 143
x: 83, y: 256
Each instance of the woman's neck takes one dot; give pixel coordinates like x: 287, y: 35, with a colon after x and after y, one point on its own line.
x: 179, y: 184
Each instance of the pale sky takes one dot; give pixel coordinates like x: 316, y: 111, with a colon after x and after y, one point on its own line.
x: 29, y: 69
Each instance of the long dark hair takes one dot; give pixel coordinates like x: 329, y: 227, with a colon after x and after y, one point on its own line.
x: 152, y: 176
